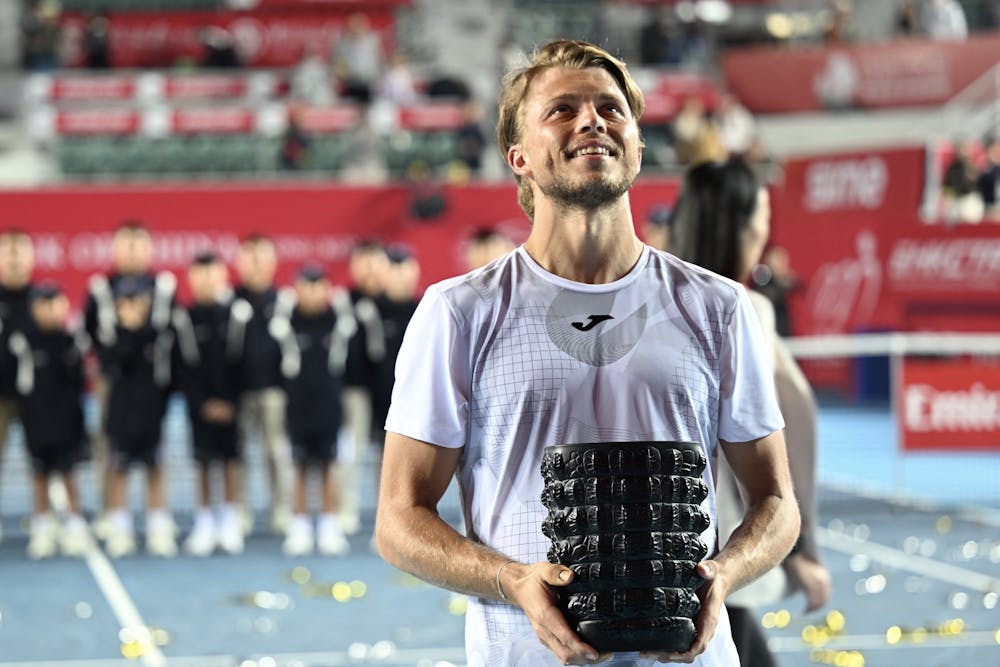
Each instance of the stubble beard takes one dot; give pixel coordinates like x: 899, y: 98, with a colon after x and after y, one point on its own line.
x: 589, y: 195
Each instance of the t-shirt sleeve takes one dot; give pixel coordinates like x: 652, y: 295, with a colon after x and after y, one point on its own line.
x: 430, y: 395
x: 748, y: 406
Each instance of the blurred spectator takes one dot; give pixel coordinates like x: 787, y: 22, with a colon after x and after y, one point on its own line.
x: 618, y: 23
x: 944, y: 19
x: 218, y: 49
x: 695, y: 134
x: 656, y: 227
x: 661, y: 42
x: 960, y: 187
x: 839, y: 29
x: 775, y: 279
x: 357, y: 58
x: 989, y: 181
x: 446, y: 86
x: 41, y: 36
x: 471, y: 138
x: 397, y: 84
x: 97, y: 41
x: 907, y: 19
x: 737, y: 127
x: 311, y: 80
x: 486, y: 245
x: 296, y: 144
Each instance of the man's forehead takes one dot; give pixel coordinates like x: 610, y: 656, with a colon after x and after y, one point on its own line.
x: 573, y: 82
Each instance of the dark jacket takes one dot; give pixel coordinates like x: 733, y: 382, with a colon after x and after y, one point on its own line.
x: 15, y: 315
x: 138, y: 367
x: 262, y: 357
x: 314, y: 351
x: 50, y: 384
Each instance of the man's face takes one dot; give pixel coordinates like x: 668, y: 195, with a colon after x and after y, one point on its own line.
x: 313, y: 295
x: 17, y: 259
x: 367, y: 268
x: 256, y: 263
x: 132, y: 251
x: 50, y: 314
x: 206, y: 281
x: 579, y: 142
x: 401, y: 279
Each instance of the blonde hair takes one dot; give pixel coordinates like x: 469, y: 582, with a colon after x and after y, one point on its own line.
x: 559, y: 53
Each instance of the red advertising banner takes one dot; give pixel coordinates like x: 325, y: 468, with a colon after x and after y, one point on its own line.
x: 72, y: 227
x: 953, y: 404
x: 891, y: 74
x: 263, y: 39
x: 98, y: 121
x: 665, y: 92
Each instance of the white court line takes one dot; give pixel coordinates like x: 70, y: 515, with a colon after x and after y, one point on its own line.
x: 987, y: 516
x: 111, y: 586
x: 873, y: 642
x: 933, y: 569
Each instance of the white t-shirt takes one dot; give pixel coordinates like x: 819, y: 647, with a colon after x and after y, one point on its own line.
x: 510, y: 358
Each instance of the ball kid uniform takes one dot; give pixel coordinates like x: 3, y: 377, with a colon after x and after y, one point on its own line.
x: 208, y: 363
x: 50, y: 383
x: 510, y: 358
x: 314, y: 351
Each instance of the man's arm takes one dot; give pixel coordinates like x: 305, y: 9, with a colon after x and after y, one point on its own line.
x: 769, y: 529
x: 411, y: 536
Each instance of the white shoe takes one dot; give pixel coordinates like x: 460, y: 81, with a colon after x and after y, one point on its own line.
x: 330, y: 537
x: 280, y: 518
x: 161, y: 534
x: 229, y: 537
x: 120, y: 543
x: 201, y: 540
x: 246, y: 521
x: 42, y: 537
x: 101, y: 525
x: 299, y: 539
x: 75, y: 536
x: 350, y: 522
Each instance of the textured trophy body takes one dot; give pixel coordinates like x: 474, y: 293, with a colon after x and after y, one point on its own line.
x: 626, y: 517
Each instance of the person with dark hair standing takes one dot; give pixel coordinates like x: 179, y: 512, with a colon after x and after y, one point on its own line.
x: 367, y: 265
x: 17, y: 262
x: 721, y: 222
x: 137, y: 358
x: 131, y: 257
x: 262, y: 401
x: 395, y: 306
x: 49, y: 381
x: 313, y: 340
x: 208, y: 355
x: 583, y: 334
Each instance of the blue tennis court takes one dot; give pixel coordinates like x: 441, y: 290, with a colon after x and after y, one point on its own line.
x: 913, y: 543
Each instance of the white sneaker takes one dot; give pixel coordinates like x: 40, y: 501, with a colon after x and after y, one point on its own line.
x: 350, y: 522
x: 201, y: 540
x: 330, y: 536
x: 120, y: 536
x: 75, y: 536
x: 101, y: 525
x: 42, y: 537
x: 161, y: 534
x: 281, y: 515
x: 228, y: 532
x: 299, y: 539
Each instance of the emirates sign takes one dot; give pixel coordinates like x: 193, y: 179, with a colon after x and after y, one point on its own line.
x: 950, y: 404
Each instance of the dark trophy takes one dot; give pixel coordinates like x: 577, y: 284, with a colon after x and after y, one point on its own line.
x: 626, y: 517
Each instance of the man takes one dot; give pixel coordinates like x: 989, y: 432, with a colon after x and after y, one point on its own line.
x: 131, y: 257
x: 583, y: 334
x: 17, y: 262
x: 262, y: 403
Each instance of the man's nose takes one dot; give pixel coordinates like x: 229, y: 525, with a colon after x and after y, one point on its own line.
x: 590, y: 120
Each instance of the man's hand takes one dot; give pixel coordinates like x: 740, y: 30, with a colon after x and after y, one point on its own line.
x: 532, y: 588
x: 812, y: 577
x: 712, y: 594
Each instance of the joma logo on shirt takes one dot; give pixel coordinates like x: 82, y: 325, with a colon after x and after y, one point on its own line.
x: 594, y: 321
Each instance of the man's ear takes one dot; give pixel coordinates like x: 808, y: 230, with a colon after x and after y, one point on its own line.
x: 518, y: 161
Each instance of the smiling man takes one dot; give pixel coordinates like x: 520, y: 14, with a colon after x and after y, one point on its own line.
x: 583, y: 334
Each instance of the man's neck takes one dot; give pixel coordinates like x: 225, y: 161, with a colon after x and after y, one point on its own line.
x: 593, y: 247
